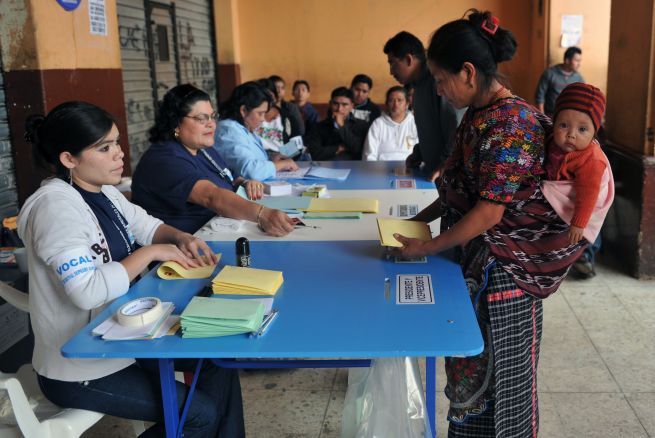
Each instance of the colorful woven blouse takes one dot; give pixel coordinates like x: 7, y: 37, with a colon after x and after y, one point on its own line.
x: 498, y: 157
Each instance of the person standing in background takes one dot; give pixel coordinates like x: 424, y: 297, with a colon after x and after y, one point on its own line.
x: 555, y: 78
x: 436, y: 120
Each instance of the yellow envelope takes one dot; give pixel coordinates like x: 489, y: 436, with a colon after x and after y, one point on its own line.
x: 343, y: 204
x: 174, y: 271
x: 247, y: 281
x: 388, y: 227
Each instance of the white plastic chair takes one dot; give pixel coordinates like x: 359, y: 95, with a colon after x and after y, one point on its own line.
x: 60, y: 422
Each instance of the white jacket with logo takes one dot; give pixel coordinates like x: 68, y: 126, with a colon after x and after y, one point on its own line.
x: 390, y: 141
x: 72, y: 276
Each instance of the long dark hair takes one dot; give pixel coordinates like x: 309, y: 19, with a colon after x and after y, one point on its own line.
x: 70, y: 127
x: 175, y: 105
x: 472, y: 39
x: 249, y: 94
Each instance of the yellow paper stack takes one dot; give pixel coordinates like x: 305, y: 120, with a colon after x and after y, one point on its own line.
x: 236, y: 280
x: 342, y: 204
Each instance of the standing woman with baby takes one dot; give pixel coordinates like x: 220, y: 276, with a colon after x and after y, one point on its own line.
x: 513, y: 248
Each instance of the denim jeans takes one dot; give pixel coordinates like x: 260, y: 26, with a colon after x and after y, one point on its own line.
x: 134, y: 392
x: 591, y: 250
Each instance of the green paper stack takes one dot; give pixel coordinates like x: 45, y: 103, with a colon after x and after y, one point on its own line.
x: 208, y: 317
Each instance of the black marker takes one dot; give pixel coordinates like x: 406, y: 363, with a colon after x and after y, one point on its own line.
x: 243, y: 252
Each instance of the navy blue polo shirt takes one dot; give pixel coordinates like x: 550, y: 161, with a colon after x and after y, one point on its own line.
x: 164, y: 178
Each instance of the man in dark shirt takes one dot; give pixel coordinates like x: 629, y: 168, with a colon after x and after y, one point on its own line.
x: 364, y: 109
x: 340, y: 136
x: 436, y: 120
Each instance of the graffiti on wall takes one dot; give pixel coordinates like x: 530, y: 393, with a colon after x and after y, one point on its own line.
x: 133, y: 37
x: 138, y: 112
x: 194, y: 68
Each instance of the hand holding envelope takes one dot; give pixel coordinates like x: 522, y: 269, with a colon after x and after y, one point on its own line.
x: 175, y: 271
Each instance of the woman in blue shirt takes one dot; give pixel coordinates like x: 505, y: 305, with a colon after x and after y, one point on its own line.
x: 242, y: 150
x: 183, y: 181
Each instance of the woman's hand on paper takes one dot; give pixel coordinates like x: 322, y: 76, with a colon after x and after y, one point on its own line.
x: 275, y: 222
x: 254, y: 189
x: 165, y: 252
x: 411, y: 247
x: 285, y: 164
x: 195, y: 249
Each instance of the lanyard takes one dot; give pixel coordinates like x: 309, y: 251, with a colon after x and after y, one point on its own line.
x: 122, y: 229
x: 224, y: 173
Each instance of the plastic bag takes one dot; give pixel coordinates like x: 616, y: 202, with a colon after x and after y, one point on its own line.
x: 385, y: 400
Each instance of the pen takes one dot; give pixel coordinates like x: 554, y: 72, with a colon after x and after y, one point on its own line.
x: 259, y: 329
x: 267, y: 323
x: 205, y: 291
x: 387, y: 288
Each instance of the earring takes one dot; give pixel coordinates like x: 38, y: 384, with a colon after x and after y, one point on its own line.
x: 176, y: 135
x: 70, y: 177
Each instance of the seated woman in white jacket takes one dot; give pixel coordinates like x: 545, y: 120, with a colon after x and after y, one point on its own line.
x: 392, y: 136
x: 81, y: 236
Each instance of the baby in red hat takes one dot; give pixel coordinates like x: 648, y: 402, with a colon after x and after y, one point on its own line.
x: 580, y: 186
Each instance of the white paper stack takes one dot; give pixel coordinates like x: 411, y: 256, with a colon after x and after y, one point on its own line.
x: 277, y: 188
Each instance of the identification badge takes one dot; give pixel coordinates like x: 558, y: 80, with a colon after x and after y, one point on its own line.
x: 407, y: 210
x: 414, y: 289
x: 405, y: 184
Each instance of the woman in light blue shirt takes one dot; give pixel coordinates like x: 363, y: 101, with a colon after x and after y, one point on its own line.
x: 241, y: 149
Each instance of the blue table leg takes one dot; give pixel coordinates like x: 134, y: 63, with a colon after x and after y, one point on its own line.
x: 431, y: 391
x: 169, y: 396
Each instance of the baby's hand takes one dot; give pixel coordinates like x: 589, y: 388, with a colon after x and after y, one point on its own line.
x: 575, y: 234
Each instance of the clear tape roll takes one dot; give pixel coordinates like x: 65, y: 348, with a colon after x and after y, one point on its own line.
x: 139, y: 312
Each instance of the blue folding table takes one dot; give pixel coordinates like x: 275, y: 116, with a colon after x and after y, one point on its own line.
x: 332, y: 304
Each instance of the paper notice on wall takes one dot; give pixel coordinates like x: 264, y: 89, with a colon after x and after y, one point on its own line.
x: 571, y: 30
x: 97, y: 17
x: 13, y: 326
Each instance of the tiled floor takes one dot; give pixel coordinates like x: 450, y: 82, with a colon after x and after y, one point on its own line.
x: 596, y: 373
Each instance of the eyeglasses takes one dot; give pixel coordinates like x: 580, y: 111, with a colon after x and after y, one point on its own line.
x: 204, y: 119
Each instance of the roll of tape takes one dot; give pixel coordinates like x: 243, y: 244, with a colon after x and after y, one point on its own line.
x: 139, y: 312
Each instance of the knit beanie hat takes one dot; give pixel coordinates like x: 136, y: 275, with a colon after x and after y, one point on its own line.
x: 584, y: 98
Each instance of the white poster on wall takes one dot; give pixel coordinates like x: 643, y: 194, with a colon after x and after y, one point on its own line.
x: 571, y: 30
x: 97, y: 17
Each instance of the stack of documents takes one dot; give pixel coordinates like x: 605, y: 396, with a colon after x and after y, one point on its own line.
x: 277, y: 188
x: 247, y: 281
x: 326, y: 205
x: 288, y: 204
x: 208, y: 317
x: 415, y: 229
x: 315, y: 191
